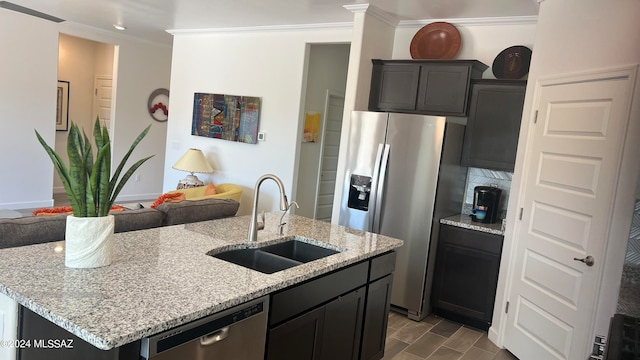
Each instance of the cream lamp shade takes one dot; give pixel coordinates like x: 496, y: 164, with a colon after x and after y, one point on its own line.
x: 193, y: 161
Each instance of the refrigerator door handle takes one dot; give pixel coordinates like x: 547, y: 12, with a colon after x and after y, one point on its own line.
x: 374, y: 190
x: 384, y: 164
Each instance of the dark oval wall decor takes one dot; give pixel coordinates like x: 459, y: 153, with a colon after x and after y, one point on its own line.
x: 512, y: 62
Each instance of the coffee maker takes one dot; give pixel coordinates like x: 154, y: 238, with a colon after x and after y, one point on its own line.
x: 486, y: 202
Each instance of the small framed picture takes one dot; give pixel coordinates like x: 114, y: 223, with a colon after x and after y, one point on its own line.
x: 62, y: 106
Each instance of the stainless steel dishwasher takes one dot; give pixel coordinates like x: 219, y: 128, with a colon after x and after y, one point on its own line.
x: 236, y: 333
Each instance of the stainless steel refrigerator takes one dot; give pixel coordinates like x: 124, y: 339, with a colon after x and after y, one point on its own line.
x: 402, y: 176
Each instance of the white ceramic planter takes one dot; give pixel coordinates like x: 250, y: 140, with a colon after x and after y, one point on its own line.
x: 89, y: 241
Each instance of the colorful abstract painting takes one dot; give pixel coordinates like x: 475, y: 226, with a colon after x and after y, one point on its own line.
x: 226, y: 117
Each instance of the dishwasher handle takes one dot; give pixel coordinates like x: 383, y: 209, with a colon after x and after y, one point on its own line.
x: 215, y: 337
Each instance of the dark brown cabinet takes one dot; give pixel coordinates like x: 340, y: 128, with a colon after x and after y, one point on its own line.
x: 433, y: 87
x: 331, y: 331
x: 466, y: 275
x: 342, y: 326
x: 342, y: 315
x: 375, y: 322
x: 493, y: 124
x: 337, y: 316
x: 299, y: 338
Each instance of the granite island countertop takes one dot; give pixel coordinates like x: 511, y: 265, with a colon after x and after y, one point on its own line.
x: 161, y: 278
x: 464, y: 221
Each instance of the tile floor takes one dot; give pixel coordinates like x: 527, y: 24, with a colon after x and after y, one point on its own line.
x: 435, y: 338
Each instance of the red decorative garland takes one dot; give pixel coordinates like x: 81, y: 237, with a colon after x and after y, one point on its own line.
x: 160, y: 106
x: 65, y: 209
x: 166, y: 197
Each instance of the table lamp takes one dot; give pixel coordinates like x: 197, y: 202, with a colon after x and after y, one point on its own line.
x: 192, y: 161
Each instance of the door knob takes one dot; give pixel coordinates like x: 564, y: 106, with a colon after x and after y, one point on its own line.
x: 587, y: 260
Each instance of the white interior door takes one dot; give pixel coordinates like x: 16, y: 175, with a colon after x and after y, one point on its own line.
x: 567, y: 202
x: 102, y: 97
x: 332, y: 128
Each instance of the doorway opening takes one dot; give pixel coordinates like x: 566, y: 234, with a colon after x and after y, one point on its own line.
x: 87, y: 67
x: 326, y: 80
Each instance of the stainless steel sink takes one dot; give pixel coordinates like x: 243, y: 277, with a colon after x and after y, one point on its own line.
x: 276, y: 257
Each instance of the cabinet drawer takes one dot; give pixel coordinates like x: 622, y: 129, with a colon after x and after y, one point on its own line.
x: 297, y: 299
x: 472, y: 239
x: 382, y: 265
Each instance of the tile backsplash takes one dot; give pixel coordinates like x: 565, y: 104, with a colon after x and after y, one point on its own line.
x: 485, y: 177
x: 633, y: 244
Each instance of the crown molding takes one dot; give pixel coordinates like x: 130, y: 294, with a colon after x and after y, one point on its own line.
x: 507, y: 20
x: 357, y: 8
x: 374, y: 11
x: 105, y: 36
x: 369, y: 9
x: 341, y: 25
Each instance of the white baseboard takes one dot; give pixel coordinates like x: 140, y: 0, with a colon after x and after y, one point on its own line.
x: 49, y: 203
x: 493, y: 337
x: 27, y: 205
x: 136, y: 197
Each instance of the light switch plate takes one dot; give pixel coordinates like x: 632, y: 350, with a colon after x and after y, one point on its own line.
x: 262, y: 136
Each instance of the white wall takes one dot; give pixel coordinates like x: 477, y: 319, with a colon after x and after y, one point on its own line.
x: 268, y: 65
x: 327, y: 70
x: 372, y: 39
x: 481, y: 39
x: 576, y: 36
x: 28, y: 77
x: 27, y: 100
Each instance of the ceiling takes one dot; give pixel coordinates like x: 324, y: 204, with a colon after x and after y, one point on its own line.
x: 149, y: 19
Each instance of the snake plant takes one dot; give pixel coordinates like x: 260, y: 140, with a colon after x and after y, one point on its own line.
x: 86, y: 181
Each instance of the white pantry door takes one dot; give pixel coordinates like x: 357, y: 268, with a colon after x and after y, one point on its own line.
x: 332, y: 128
x: 102, y: 99
x: 570, y: 184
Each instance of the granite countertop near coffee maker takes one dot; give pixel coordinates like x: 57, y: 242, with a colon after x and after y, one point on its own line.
x: 464, y: 221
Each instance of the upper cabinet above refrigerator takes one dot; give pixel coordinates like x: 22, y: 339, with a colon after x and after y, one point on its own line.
x: 429, y: 87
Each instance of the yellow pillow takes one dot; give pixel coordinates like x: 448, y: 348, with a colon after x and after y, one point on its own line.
x: 210, y: 190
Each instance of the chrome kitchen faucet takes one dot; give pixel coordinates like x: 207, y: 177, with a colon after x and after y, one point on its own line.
x: 284, y: 204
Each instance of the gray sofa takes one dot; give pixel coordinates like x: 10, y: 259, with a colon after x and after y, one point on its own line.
x: 41, y: 229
